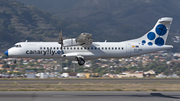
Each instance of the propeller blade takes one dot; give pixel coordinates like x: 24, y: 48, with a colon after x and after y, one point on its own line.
x: 60, y: 39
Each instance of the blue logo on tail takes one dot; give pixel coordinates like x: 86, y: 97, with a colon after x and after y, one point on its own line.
x: 159, y: 41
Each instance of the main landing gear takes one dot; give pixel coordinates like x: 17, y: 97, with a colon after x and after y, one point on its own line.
x: 80, y: 60
x: 15, y: 61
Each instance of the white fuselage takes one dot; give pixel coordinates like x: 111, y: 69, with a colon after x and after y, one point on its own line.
x: 152, y: 41
x: 94, y: 51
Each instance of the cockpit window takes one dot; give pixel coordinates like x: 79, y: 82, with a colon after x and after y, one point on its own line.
x: 17, y: 46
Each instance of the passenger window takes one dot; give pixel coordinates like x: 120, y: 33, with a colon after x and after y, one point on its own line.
x: 54, y: 48
x: 92, y: 48
x: 71, y: 48
x: 47, y: 47
x: 81, y: 48
x: 77, y: 48
x: 19, y: 45
x: 95, y: 48
x: 109, y: 48
x: 112, y: 48
x: 119, y: 48
x: 102, y: 48
x: 115, y: 48
x: 88, y: 48
x: 74, y: 48
x: 99, y: 48
x: 105, y: 48
x: 57, y: 48
x: 122, y: 48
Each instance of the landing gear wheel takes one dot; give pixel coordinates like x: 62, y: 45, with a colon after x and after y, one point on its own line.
x: 14, y: 61
x: 80, y: 61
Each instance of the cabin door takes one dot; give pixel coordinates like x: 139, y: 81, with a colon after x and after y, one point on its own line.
x: 128, y: 49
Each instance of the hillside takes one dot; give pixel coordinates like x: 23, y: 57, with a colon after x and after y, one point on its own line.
x: 20, y: 23
x: 112, y: 13
x: 112, y: 20
x: 117, y: 17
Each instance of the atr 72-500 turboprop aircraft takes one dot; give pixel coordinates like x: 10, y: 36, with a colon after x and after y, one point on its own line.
x: 82, y: 48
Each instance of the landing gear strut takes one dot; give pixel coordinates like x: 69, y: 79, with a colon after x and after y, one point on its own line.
x: 81, y: 61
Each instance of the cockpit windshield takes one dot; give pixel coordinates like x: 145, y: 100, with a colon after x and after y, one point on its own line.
x: 17, y: 45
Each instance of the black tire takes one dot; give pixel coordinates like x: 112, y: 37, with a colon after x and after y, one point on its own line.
x: 15, y: 61
x: 81, y: 61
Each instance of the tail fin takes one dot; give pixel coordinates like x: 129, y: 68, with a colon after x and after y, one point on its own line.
x: 158, y: 35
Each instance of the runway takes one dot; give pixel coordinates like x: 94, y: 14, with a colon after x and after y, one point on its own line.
x: 80, y: 81
x: 88, y: 96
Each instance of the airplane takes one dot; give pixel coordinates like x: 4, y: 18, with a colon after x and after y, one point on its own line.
x: 83, y: 48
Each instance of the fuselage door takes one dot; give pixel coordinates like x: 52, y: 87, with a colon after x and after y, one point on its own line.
x: 128, y: 49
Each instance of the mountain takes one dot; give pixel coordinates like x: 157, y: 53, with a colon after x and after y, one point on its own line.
x: 54, y: 6
x: 112, y: 20
x: 19, y: 23
x: 113, y: 17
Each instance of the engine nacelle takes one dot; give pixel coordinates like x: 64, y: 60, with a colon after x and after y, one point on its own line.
x: 70, y: 42
x: 84, y: 39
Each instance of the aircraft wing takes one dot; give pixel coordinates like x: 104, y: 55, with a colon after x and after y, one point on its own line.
x: 84, y: 39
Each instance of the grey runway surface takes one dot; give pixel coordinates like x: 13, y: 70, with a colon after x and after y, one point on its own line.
x: 80, y: 81
x: 88, y: 96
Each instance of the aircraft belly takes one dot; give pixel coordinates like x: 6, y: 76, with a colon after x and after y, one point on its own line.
x: 87, y: 55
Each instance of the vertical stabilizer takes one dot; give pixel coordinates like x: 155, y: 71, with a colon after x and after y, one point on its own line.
x: 158, y: 35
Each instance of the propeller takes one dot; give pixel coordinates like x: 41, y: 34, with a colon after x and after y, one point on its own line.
x: 60, y: 40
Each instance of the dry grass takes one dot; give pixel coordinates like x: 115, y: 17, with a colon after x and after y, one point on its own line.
x: 89, y: 87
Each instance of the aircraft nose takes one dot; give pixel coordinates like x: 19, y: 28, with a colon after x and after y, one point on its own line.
x: 6, y: 52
